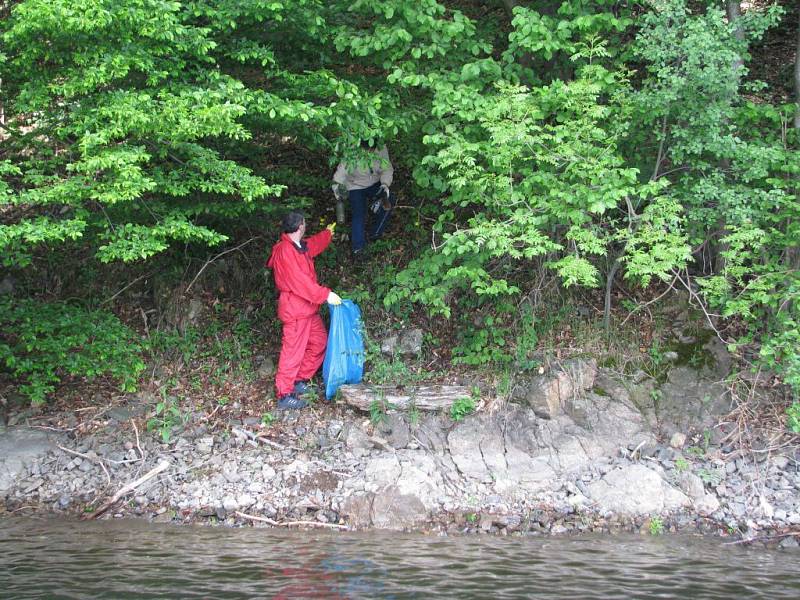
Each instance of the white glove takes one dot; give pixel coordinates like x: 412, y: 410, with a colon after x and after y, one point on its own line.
x: 339, y: 191
x: 333, y: 298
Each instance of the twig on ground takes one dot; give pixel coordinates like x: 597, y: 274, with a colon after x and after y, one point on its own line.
x: 136, y: 431
x: 290, y: 523
x: 765, y: 538
x: 127, y: 489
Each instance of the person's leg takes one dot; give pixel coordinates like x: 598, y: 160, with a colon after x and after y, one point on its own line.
x: 293, y: 349
x: 358, y: 216
x: 381, y: 219
x: 315, y: 348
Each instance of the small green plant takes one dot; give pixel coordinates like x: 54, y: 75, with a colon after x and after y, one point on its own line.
x: 413, y: 415
x: 461, y: 408
x: 710, y: 476
x: 223, y: 400
x: 793, y: 417
x: 656, y: 525
x: 696, y: 451
x: 472, y: 517
x: 681, y: 464
x: 267, y: 419
x: 377, y: 412
x: 166, y: 417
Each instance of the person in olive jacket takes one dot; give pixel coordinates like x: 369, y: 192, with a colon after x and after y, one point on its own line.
x: 300, y: 296
x: 361, y: 183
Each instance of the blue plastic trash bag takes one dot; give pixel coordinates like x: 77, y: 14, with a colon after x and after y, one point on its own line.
x: 344, y: 357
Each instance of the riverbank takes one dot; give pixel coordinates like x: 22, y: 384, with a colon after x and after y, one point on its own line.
x: 576, y: 449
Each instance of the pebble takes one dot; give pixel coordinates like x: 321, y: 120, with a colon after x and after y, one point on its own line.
x: 677, y: 440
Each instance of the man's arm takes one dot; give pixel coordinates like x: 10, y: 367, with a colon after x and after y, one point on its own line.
x: 318, y: 242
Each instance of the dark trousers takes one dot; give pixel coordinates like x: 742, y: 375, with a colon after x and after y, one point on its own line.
x: 359, y: 203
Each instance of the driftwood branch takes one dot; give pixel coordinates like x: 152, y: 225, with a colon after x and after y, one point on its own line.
x: 126, y: 489
x: 431, y: 398
x: 289, y: 523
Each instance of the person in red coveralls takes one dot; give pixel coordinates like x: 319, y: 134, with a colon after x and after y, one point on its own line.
x: 300, y: 296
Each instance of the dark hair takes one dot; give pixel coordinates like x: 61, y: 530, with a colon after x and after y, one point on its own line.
x: 291, y: 221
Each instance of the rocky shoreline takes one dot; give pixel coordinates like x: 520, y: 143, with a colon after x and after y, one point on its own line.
x: 574, y: 451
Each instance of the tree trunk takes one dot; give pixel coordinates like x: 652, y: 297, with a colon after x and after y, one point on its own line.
x: 733, y: 10
x: 430, y: 397
x: 797, y: 81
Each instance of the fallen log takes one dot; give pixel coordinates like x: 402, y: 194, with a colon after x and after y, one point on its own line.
x: 430, y: 397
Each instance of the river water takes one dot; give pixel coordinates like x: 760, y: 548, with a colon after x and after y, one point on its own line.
x: 130, y: 559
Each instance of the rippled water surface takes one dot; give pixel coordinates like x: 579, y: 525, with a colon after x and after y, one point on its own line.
x: 116, y: 559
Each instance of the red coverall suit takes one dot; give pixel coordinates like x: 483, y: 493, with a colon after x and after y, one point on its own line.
x: 304, y: 334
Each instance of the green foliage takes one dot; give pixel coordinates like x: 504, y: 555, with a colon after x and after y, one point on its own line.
x: 461, y: 408
x: 413, y: 415
x: 539, y: 174
x: 731, y: 166
x: 391, y: 370
x: 711, y: 476
x: 681, y: 464
x: 656, y: 526
x: 483, y: 345
x: 793, y: 417
x: 44, y: 342
x: 267, y: 419
x: 377, y: 411
x: 166, y: 417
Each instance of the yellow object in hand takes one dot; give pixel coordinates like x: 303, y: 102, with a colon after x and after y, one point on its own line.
x: 331, y: 227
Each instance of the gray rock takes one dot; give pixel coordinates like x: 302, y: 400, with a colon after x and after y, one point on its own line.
x: 358, y: 510
x: 391, y: 509
x: 395, y: 430
x: 389, y: 345
x: 692, y: 485
x: 266, y: 369
x: 410, y: 343
x: 635, y: 490
x: 20, y: 447
x: 229, y: 504
x: 678, y: 440
x: 780, y: 462
x: 691, y: 398
x: 706, y: 505
x: 7, y: 285
x: 242, y: 501
x: 548, y: 395
x: 354, y: 437
x: 205, y: 445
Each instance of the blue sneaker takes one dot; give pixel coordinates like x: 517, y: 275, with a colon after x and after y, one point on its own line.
x: 301, y: 388
x: 291, y: 402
